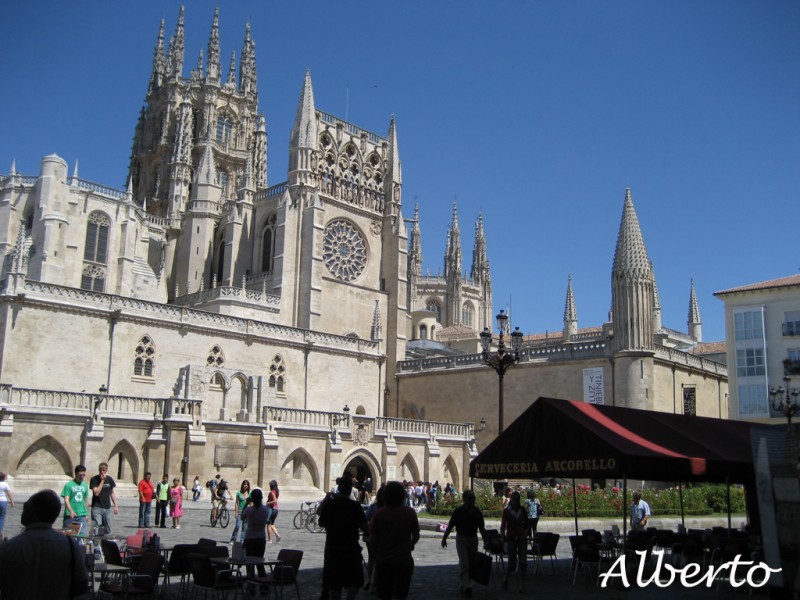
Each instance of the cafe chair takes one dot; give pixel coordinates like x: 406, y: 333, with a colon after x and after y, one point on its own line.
x: 210, y: 580
x: 543, y: 545
x: 114, y: 556
x: 588, y: 556
x: 283, y: 574
x: 493, y: 544
x: 179, y: 565
x: 142, y: 582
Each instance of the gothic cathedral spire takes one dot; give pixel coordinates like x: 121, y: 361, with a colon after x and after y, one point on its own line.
x: 632, y: 285
x: 570, y: 314
x: 213, y: 67
x: 453, y: 271
x: 695, y: 323
x: 176, y: 49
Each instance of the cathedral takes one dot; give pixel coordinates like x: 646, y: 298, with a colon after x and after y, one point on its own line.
x: 202, y: 319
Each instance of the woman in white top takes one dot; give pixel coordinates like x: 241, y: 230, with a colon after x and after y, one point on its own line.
x: 5, y: 497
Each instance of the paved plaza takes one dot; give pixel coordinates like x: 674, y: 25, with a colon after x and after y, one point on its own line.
x: 436, y: 570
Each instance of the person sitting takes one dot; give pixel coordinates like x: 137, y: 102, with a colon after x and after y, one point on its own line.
x: 40, y: 562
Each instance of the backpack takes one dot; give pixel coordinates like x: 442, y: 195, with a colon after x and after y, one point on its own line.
x: 208, y: 484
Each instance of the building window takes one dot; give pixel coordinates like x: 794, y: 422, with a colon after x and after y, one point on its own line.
x: 423, y: 332
x: 93, y: 278
x: 753, y: 400
x: 467, y: 315
x: 277, y: 374
x: 144, y: 362
x: 750, y: 362
x: 748, y: 325
x: 224, y: 130
x: 216, y: 358
x: 95, y: 252
x: 222, y: 177
x: 434, y: 307
x: 791, y: 323
x: 268, y: 245
x: 221, y: 262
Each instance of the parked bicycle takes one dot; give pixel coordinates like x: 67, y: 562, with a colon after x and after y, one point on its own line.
x: 302, y: 515
x: 220, y: 514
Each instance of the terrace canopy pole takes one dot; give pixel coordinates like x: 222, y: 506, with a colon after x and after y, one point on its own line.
x: 575, y: 505
x: 728, y: 498
x: 680, y: 495
x: 624, y: 508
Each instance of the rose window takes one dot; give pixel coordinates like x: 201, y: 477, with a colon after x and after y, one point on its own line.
x: 344, y: 250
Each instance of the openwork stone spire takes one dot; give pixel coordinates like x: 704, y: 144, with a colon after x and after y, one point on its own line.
x: 695, y: 323
x: 415, y: 247
x: 213, y: 67
x: 376, y: 332
x: 480, y: 264
x: 176, y: 48
x: 632, y: 285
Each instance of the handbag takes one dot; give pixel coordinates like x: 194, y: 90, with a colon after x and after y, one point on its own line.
x: 480, y: 567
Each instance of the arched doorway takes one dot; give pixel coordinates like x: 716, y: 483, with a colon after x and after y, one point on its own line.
x: 359, y: 468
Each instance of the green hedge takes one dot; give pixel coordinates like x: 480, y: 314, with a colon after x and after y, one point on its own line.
x: 607, y: 502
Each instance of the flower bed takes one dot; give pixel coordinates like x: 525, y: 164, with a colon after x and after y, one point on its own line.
x: 558, y: 501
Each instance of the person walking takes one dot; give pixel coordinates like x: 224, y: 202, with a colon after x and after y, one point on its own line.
x: 104, y: 498
x: 76, y: 497
x: 514, y: 529
x: 146, y: 492
x: 640, y: 512
x: 467, y: 520
x: 238, y: 507
x: 272, y: 504
x: 41, y: 563
x: 256, y: 514
x: 196, y: 489
x: 6, y: 497
x: 394, y: 531
x: 342, y: 517
x: 535, y: 510
x: 162, y: 501
x: 176, y: 503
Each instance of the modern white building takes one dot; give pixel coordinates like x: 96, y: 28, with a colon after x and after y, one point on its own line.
x: 762, y: 325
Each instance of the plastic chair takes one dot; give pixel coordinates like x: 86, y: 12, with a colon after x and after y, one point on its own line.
x: 588, y: 556
x: 179, y: 565
x: 545, y: 544
x: 208, y: 579
x: 142, y: 582
x: 493, y: 544
x: 285, y: 574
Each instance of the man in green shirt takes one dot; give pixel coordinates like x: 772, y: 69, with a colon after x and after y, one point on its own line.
x: 162, y: 499
x: 76, y: 495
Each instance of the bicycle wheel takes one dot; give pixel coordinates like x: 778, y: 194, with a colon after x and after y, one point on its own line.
x: 224, y: 517
x: 214, y: 518
x: 312, y: 523
x: 300, y: 519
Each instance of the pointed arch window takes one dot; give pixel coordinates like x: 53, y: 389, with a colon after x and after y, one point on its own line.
x: 95, y: 252
x: 277, y: 374
x: 423, y: 332
x: 268, y: 245
x: 215, y: 357
x: 224, y: 129
x: 434, y: 307
x: 145, y: 358
x: 220, y: 261
x: 467, y: 315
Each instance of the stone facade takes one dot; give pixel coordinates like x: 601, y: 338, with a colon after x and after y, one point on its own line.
x: 231, y: 325
x: 632, y: 360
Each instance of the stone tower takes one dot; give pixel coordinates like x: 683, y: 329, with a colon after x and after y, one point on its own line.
x: 570, y: 314
x: 209, y: 121
x: 695, y: 324
x: 633, y: 308
x: 452, y: 272
x: 480, y: 273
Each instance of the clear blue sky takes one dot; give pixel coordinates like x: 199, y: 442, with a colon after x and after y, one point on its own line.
x: 539, y: 114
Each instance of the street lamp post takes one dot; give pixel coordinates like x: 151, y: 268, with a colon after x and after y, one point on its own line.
x: 501, y: 360
x: 784, y: 400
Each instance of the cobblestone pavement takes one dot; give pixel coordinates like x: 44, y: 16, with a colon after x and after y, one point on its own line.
x: 436, y: 570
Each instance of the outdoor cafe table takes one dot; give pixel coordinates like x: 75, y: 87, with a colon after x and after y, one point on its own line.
x: 105, y: 570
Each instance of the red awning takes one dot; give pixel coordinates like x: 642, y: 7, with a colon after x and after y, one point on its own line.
x: 565, y: 438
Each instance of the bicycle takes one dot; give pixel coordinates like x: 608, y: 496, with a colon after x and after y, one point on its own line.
x: 220, y: 514
x: 301, y: 516
x: 312, y: 520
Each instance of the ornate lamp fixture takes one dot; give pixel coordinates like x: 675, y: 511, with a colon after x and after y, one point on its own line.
x: 501, y: 360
